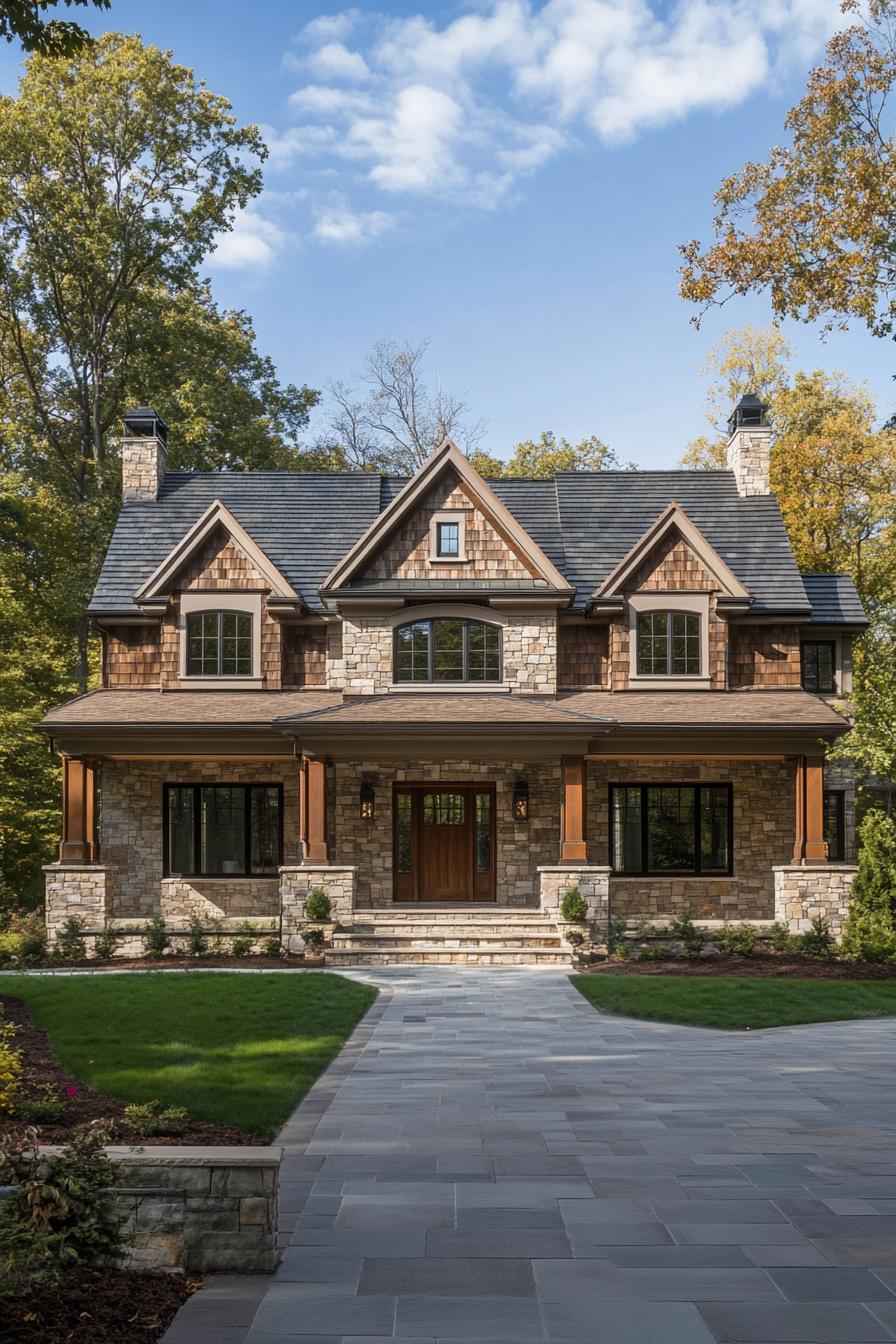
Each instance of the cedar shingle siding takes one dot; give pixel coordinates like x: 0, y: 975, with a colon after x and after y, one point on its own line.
x: 582, y: 652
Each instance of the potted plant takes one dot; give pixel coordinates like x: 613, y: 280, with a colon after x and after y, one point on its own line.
x: 314, y: 946
x: 318, y: 910
x: 576, y: 939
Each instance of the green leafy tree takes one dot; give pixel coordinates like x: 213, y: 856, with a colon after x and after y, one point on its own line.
x: 548, y: 454
x: 814, y: 225
x: 870, y: 929
x: 22, y: 21
x: 746, y: 359
x: 871, y: 741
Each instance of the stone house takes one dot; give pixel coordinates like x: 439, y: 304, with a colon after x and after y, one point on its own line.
x: 445, y: 700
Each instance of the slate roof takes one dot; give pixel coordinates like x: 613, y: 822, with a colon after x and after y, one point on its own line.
x: 413, y: 711
x: 585, y: 522
x: 834, y: 600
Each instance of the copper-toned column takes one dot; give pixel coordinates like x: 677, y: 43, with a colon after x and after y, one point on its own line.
x: 314, y: 809
x: 799, y: 839
x: 816, y: 848
x: 77, y: 810
x: 572, y: 810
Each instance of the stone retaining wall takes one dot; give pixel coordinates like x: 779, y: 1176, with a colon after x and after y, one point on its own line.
x: 82, y: 891
x: 803, y: 893
x: 200, y: 1210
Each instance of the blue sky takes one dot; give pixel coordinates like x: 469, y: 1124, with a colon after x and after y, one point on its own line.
x: 510, y: 180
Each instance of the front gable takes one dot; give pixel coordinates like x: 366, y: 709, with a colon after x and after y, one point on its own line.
x: 495, y: 547
x: 672, y: 555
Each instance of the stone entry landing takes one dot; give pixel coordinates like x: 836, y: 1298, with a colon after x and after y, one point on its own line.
x: 485, y: 935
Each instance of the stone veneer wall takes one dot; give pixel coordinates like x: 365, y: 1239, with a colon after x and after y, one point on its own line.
x: 592, y: 881
x: 76, y: 890
x: 763, y: 836
x: 199, y: 1210
x: 338, y: 881
x: 131, y: 839
x: 802, y: 893
x: 359, y: 654
x: 521, y: 847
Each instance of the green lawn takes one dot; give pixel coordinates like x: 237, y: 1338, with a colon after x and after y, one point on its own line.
x: 237, y: 1050
x: 735, y: 1003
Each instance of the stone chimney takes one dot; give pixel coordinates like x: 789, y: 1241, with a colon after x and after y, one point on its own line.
x: 749, y: 445
x: 144, y: 454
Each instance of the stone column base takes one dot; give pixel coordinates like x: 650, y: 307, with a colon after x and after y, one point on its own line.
x: 594, y: 884
x: 803, y: 892
x: 82, y: 890
x: 338, y: 881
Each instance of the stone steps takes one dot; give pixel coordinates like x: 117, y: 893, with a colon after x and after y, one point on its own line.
x: 442, y: 935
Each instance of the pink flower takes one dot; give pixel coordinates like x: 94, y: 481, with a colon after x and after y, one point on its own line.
x: 71, y: 1091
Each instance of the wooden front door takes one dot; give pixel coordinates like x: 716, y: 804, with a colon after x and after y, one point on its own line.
x: 444, y: 842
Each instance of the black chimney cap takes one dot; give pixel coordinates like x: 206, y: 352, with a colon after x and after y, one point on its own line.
x: 749, y: 412
x: 145, y: 423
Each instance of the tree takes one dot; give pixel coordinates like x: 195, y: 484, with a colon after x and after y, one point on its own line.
x: 395, y: 422
x: 20, y: 20
x: 547, y: 454
x: 871, y: 741
x: 746, y: 359
x: 117, y: 171
x: 814, y: 225
x: 870, y: 929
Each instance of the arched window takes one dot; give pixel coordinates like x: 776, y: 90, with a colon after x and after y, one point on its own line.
x: 219, y: 644
x: 447, y: 649
x: 668, y: 644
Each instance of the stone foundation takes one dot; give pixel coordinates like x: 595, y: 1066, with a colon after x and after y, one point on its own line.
x: 218, y: 897
x: 78, y: 890
x: 338, y: 881
x: 803, y: 893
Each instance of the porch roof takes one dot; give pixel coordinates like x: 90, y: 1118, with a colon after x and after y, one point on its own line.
x: 456, y: 711
x: 711, y: 710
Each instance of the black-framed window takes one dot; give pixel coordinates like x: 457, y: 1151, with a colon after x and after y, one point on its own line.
x: 835, y: 824
x: 448, y: 540
x: 668, y: 644
x: 222, y: 830
x: 818, y: 663
x: 447, y: 649
x: 219, y: 644
x: 671, y: 829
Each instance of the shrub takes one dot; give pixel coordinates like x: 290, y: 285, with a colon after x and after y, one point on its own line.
x: 616, y: 944
x: 151, y: 1119
x: 867, y: 936
x: 105, y: 944
x: 657, y: 952
x: 818, y: 941
x: 271, y: 946
x: 156, y: 938
x: 573, y: 905
x: 70, y: 944
x: 575, y: 938
x: 685, y: 930
x: 10, y: 1068
x: 780, y: 939
x: 240, y: 946
x: 9, y: 948
x: 870, y: 929
x: 63, y: 1199
x: 45, y: 1109
x: 32, y: 935
x: 314, y: 939
x: 197, y: 942
x: 737, y: 939
x: 317, y: 904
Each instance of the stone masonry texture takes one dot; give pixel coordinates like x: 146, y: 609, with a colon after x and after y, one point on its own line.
x: 805, y: 893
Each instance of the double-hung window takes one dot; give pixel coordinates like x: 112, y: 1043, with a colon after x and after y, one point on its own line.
x: 668, y: 644
x: 220, y: 830
x: 448, y: 541
x: 219, y: 644
x: 671, y: 829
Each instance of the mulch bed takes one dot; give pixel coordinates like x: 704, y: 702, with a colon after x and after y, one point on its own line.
x: 768, y: 967
x: 127, y: 1306
x: 42, y: 1068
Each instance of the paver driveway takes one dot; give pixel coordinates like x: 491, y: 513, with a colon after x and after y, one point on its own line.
x: 503, y: 1163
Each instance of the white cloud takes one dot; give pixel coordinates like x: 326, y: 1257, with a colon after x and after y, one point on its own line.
x: 339, y: 224
x: 466, y: 108
x: 252, y: 243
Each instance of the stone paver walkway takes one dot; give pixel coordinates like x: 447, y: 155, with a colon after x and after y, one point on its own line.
x: 497, y: 1161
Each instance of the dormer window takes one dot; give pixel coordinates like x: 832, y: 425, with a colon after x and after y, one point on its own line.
x: 447, y: 538
x: 219, y: 644
x: 668, y: 644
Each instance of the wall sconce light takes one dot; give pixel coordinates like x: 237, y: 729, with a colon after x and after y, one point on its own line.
x: 521, y: 800
x: 368, y: 800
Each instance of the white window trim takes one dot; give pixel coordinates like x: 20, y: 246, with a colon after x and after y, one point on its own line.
x: 218, y: 599
x: 458, y: 516
x: 697, y: 603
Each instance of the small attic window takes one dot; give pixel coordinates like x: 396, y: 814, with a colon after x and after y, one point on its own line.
x: 446, y: 538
